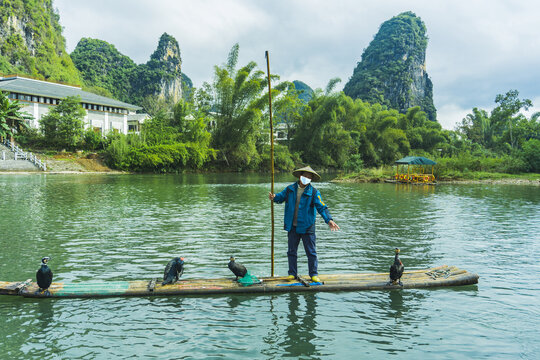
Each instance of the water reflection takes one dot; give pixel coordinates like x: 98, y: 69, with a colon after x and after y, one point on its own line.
x: 44, y: 313
x: 128, y: 227
x: 382, y: 217
x: 396, y: 303
x: 301, y: 319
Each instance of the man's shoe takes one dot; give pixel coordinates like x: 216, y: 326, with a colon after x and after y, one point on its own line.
x: 291, y: 277
x: 315, y: 279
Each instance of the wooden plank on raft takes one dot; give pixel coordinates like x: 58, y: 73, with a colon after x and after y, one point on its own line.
x: 303, y: 281
x: 425, y: 278
x: 13, y: 288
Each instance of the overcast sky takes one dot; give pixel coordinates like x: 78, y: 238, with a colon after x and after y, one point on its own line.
x: 476, y: 50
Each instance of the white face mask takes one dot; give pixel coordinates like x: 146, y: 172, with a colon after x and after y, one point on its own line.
x: 304, y: 180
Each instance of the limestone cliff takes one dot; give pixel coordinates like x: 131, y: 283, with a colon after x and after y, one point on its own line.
x: 31, y: 41
x: 393, y: 67
x: 167, y: 57
x: 161, y: 76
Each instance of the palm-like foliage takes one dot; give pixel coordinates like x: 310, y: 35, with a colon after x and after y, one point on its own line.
x: 238, y: 103
x: 12, y: 118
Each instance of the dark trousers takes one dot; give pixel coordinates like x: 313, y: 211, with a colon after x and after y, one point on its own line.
x: 309, y: 246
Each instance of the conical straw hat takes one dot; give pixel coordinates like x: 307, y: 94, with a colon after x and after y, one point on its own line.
x: 298, y: 172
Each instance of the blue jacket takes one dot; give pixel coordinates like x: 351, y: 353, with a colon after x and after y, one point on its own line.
x: 310, y: 200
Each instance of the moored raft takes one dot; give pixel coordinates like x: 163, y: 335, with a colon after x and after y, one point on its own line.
x: 427, y: 278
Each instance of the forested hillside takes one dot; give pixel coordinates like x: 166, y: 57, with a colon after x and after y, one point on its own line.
x: 103, y: 68
x: 393, y: 69
x: 304, y: 90
x: 31, y: 42
x: 106, y: 70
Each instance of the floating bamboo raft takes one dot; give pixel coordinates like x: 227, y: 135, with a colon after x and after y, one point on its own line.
x: 427, y: 278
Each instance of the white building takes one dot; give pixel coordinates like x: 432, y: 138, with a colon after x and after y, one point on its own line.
x: 102, y: 113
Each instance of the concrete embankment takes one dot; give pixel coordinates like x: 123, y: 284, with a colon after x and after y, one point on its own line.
x: 9, y: 164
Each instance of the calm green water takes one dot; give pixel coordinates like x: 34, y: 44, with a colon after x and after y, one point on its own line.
x: 120, y: 227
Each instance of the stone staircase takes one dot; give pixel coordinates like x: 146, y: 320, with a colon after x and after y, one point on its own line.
x: 18, y: 160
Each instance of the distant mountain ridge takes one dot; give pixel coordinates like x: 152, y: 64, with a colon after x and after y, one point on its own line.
x: 32, y: 44
x: 103, y: 67
x: 305, y: 91
x: 393, y: 67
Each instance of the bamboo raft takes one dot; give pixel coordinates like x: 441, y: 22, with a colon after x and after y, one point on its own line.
x: 428, y: 278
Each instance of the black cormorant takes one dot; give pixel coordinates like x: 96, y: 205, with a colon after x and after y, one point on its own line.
x: 238, y: 269
x: 396, y: 270
x: 44, y: 275
x: 173, y: 270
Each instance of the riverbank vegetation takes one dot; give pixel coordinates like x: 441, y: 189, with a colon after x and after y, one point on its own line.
x: 224, y: 126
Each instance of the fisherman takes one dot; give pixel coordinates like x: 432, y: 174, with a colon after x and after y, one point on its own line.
x: 301, y: 200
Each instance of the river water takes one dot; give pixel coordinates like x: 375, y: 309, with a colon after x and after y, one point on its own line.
x: 127, y: 227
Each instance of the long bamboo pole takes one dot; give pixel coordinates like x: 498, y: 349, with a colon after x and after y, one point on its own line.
x: 271, y: 158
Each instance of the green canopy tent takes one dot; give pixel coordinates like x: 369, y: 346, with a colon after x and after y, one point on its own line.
x: 415, y: 160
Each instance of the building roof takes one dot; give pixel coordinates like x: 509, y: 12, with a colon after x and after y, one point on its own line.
x: 416, y: 160
x: 36, y: 87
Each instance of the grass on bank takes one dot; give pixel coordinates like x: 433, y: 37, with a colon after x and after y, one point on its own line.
x: 79, y: 161
x: 387, y: 172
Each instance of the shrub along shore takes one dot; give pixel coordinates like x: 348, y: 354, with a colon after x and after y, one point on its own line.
x: 92, y: 163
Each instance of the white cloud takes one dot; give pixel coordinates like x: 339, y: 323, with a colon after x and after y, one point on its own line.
x: 449, y: 115
x: 534, y: 109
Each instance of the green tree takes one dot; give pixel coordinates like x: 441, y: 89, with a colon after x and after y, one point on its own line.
x: 477, y: 128
x: 335, y: 129
x: 63, y: 125
x: 385, y: 141
x: 288, y: 109
x: 421, y: 133
x: 320, y: 136
x: 238, y: 104
x: 93, y: 140
x: 503, y: 117
x: 181, y: 112
x: 531, y: 154
x: 157, y: 130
